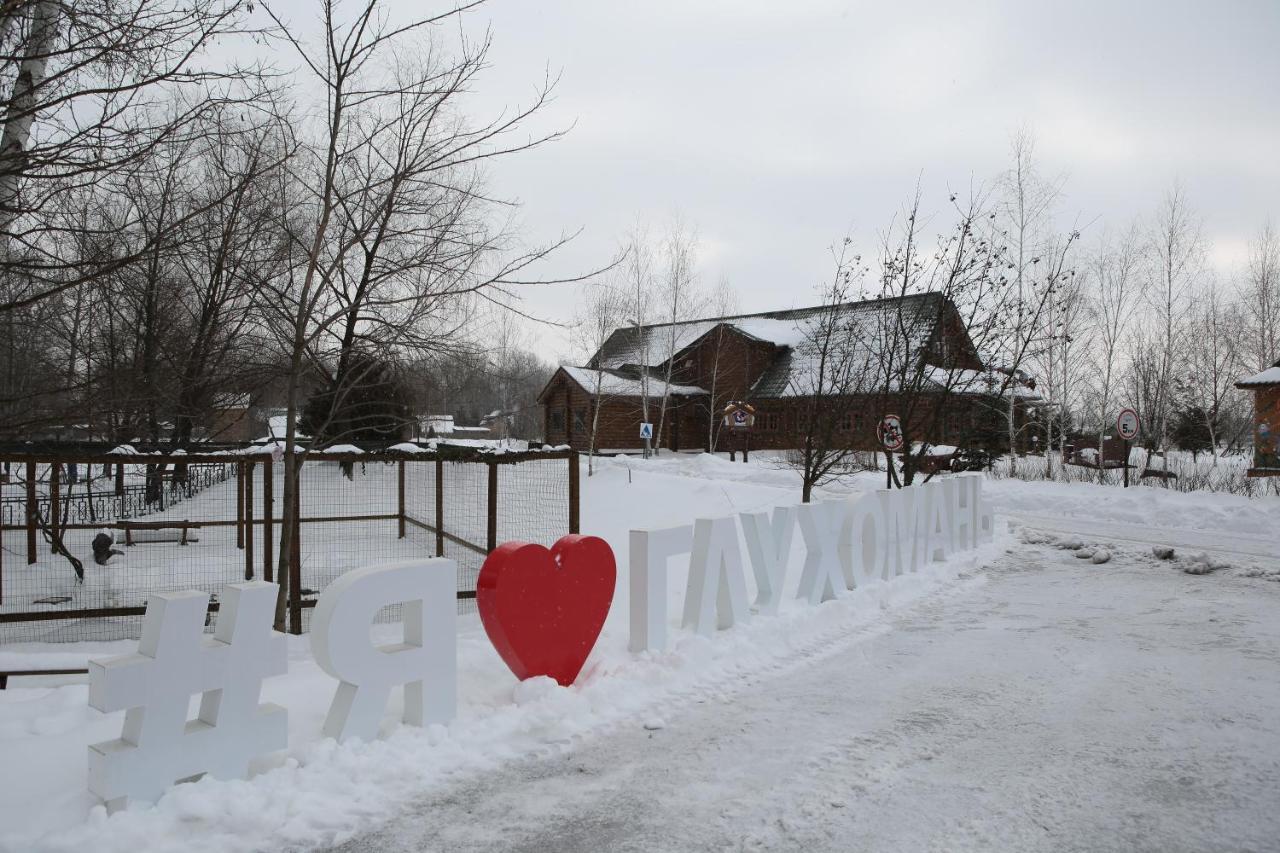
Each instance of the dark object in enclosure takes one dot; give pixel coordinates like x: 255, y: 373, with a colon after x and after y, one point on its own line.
x: 102, y: 550
x: 971, y: 459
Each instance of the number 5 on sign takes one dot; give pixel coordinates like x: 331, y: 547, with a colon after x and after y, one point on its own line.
x: 1127, y: 424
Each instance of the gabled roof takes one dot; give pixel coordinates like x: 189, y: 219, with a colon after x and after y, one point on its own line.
x: 871, y: 327
x: 653, y: 345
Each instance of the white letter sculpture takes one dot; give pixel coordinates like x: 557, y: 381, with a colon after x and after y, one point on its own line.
x: 647, y: 566
x: 864, y: 545
x: 426, y: 662
x: 716, y: 594
x: 904, y: 512
x: 768, y: 546
x: 960, y: 492
x: 822, y: 577
x: 159, y: 745
x: 937, y: 516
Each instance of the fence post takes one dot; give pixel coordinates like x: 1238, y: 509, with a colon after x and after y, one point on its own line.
x: 575, y: 471
x: 268, y: 487
x: 120, y: 482
x: 295, y: 554
x: 31, y: 513
x: 439, y: 506
x: 248, y: 526
x: 400, y: 494
x: 491, y: 540
x: 240, y: 505
x: 55, y: 500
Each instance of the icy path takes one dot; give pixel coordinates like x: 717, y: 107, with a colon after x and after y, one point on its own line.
x: 1056, y: 707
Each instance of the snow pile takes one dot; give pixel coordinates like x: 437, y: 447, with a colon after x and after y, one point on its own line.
x: 1202, y: 564
x: 318, y: 792
x: 1150, y: 506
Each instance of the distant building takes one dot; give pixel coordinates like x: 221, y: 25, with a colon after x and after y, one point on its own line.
x: 231, y: 419
x: 768, y: 360
x: 1266, y: 421
x: 443, y: 426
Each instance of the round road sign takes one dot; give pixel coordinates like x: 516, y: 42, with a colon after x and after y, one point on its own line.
x: 1127, y: 424
x: 891, y: 432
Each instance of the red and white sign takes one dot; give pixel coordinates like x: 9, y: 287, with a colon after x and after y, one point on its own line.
x: 891, y: 433
x: 739, y: 416
x: 1127, y: 424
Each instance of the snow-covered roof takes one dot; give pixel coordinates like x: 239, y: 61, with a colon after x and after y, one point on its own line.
x: 654, y: 345
x: 867, y: 331
x: 1270, y: 376
x: 614, y: 383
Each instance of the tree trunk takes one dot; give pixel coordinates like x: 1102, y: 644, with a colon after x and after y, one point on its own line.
x: 21, y: 113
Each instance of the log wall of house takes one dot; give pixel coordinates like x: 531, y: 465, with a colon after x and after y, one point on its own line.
x: 1266, y: 431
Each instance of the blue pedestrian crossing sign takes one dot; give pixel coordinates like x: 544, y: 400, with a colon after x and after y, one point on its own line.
x: 646, y: 430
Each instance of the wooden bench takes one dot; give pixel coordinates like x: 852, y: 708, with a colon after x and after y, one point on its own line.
x: 131, y: 527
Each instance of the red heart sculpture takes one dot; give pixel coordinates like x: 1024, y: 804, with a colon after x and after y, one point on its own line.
x: 543, y: 609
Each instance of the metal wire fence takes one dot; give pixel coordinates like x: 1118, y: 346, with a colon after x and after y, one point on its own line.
x: 218, y: 520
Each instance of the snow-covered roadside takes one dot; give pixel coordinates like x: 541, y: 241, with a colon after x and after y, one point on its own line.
x: 319, y: 793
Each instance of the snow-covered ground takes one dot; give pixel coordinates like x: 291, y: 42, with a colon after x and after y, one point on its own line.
x: 1043, y: 704
x: 1016, y: 662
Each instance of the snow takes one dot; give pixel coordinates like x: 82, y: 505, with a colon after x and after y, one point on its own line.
x: 782, y: 333
x: 1043, y: 705
x: 342, y: 448
x: 1270, y: 376
x: 913, y: 705
x: 615, y: 385
x: 407, y: 447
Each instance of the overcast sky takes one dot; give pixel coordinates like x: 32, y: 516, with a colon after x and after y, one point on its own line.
x: 777, y: 127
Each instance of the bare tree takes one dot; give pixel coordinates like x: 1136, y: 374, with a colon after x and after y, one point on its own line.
x: 962, y: 280
x: 679, y: 300
x: 1115, y: 268
x: 638, y: 270
x: 1212, y: 360
x: 604, y: 310
x: 1026, y: 210
x: 392, y: 226
x: 92, y: 90
x: 1176, y: 266
x: 723, y: 302
x: 1260, y: 301
x: 832, y: 367
x: 1064, y: 337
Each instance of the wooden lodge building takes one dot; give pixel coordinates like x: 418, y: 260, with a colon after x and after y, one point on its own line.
x: 769, y: 361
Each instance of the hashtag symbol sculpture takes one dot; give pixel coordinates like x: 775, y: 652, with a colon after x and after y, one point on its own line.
x: 159, y: 745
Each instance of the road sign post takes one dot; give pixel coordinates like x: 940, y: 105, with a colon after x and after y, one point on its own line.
x: 1127, y: 426
x: 739, y: 417
x: 891, y: 437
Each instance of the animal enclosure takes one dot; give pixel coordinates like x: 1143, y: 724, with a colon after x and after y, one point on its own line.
x: 180, y: 522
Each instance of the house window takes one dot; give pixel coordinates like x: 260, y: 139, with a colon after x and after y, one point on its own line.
x: 802, y: 421
x: 772, y: 422
x: 579, y: 420
x: 557, y: 420
x: 846, y: 422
